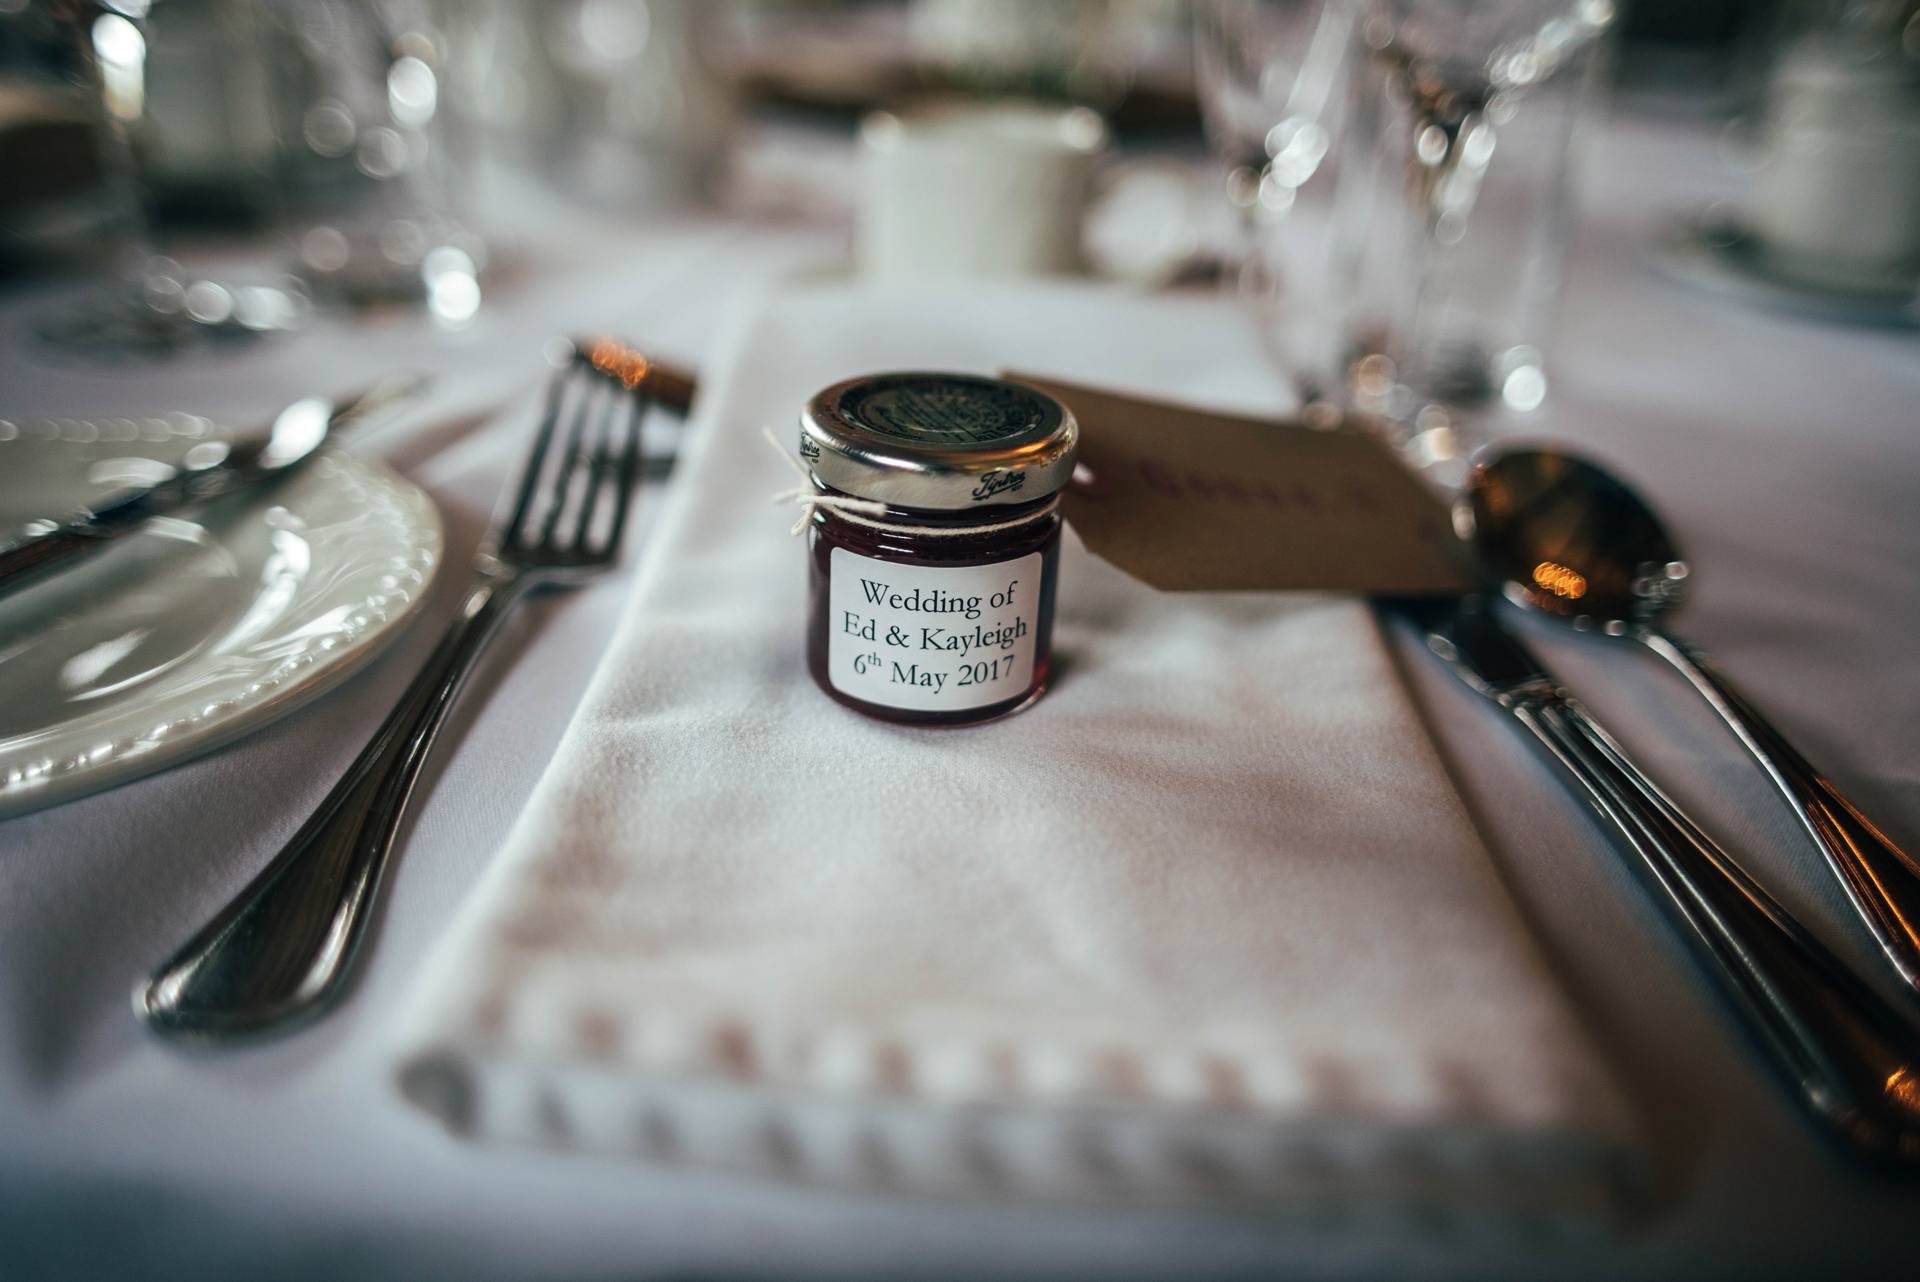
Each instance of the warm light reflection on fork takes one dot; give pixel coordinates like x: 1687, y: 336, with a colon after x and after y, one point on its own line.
x: 617, y: 360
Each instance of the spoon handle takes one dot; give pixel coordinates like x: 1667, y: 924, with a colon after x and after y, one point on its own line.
x: 1881, y: 879
x: 1853, y: 1059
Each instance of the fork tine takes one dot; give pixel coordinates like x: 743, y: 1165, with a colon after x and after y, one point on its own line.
x: 563, y: 492
x: 573, y: 488
x: 536, y: 458
x: 612, y: 398
x: 615, y: 473
x: 637, y: 409
x: 575, y: 433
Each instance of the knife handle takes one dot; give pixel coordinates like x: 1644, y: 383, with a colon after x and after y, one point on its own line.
x: 37, y: 554
x: 1851, y: 1057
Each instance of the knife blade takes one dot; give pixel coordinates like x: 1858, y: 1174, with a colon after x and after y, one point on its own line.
x: 1470, y: 639
x: 210, y: 469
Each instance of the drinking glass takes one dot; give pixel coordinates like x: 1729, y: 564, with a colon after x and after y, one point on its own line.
x: 151, y: 305
x: 1456, y: 211
x: 1271, y: 79
x: 369, y: 167
x: 52, y: 205
x: 623, y: 104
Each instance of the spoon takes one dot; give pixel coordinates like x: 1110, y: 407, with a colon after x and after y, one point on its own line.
x: 1569, y: 539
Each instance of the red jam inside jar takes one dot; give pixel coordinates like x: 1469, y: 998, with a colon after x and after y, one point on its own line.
x: 934, y: 544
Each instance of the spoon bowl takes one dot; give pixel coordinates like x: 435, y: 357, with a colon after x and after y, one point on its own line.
x: 1568, y: 538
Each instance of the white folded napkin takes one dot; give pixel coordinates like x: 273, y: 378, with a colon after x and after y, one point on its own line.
x: 1207, y: 923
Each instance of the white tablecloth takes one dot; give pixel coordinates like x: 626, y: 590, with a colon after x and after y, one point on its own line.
x: 1785, y: 454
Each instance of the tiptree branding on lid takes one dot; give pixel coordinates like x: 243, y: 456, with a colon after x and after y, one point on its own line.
x: 1003, y: 482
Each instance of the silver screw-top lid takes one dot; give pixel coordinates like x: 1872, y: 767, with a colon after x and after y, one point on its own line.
x: 938, y: 441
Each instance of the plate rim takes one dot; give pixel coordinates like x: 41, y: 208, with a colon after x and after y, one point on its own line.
x: 286, y: 696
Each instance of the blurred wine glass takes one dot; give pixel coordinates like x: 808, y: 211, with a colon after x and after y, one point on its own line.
x: 1453, y: 305
x: 628, y: 105
x: 1270, y: 76
x: 51, y: 204
x: 150, y: 305
x: 368, y: 173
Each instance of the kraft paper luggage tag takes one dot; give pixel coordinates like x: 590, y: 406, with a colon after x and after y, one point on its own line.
x: 1192, y: 500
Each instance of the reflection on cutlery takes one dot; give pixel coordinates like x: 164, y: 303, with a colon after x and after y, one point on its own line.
x: 282, y: 949
x: 1573, y: 541
x: 209, y: 470
x: 1853, y: 1059
x: 668, y: 385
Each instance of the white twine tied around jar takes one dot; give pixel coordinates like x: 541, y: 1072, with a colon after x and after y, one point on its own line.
x: 860, y: 511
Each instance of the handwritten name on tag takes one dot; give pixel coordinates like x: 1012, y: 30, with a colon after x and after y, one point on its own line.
x: 1190, y: 500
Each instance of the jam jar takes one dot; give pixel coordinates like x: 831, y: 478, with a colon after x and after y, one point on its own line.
x: 934, y: 543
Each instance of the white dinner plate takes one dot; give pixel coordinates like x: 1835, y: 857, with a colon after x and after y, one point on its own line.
x: 196, y: 628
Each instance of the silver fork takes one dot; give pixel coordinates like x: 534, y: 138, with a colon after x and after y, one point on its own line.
x: 282, y: 950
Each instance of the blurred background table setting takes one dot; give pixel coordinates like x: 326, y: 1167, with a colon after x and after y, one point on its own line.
x: 405, y: 686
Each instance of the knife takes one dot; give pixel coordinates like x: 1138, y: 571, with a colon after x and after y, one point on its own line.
x: 1851, y: 1058
x: 209, y: 470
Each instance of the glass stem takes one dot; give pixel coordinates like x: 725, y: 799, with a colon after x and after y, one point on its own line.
x: 113, y: 52
x: 1438, y: 364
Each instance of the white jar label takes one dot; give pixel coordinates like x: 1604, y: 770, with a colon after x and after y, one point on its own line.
x: 931, y: 638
